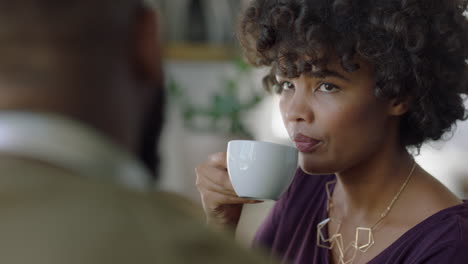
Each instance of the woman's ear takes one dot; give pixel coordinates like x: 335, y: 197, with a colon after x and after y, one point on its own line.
x: 399, y: 106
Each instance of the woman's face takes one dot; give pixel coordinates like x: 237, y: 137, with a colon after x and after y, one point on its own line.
x: 334, y: 118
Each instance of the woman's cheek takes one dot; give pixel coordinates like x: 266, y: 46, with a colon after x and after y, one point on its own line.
x: 283, y: 106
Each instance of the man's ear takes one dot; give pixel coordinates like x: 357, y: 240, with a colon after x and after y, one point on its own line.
x: 147, y: 46
x: 399, y: 106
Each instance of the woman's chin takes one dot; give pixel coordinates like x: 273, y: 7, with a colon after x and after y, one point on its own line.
x: 316, y: 167
x: 315, y: 170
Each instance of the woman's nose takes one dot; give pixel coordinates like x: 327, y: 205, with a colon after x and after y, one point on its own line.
x: 299, y: 109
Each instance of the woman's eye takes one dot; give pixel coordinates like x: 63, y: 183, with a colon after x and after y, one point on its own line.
x: 285, y: 86
x: 328, y: 88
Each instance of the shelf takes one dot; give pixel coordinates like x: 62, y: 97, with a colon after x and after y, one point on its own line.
x: 189, y: 51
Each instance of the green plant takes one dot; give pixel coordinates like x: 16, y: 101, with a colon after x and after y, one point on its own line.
x: 225, y: 111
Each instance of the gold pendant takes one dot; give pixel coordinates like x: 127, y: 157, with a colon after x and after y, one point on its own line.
x: 337, y: 240
x: 370, y: 239
x: 322, y: 241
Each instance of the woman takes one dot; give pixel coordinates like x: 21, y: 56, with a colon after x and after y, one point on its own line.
x: 362, y: 85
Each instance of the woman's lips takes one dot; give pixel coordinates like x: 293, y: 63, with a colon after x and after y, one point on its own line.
x: 306, y: 144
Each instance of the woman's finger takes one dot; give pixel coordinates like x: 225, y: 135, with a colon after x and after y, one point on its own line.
x: 220, y: 178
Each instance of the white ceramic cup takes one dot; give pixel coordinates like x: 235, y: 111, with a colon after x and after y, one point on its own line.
x: 260, y: 170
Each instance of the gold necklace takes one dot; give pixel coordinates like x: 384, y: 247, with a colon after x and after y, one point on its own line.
x: 337, y: 238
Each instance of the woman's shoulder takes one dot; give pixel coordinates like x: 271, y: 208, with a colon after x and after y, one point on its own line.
x: 445, y: 235
x: 449, y: 225
x: 441, y: 237
x: 456, y: 220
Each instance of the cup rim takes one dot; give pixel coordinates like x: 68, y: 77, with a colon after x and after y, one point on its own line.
x: 261, y: 142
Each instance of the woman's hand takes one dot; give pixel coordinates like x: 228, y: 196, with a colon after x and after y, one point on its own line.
x: 221, y: 204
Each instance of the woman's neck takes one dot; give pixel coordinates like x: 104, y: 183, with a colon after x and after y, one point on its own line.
x: 365, y: 191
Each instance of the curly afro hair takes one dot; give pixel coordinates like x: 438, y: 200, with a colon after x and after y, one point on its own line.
x: 418, y: 48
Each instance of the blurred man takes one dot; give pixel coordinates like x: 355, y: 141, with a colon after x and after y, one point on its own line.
x: 80, y: 112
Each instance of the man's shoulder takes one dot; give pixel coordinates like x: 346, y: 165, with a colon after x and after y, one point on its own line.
x: 58, y: 217
x: 165, y: 228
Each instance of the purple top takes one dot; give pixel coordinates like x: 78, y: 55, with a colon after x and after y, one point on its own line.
x: 289, y: 232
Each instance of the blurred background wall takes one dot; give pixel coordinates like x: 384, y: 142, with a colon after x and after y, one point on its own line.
x: 214, y: 98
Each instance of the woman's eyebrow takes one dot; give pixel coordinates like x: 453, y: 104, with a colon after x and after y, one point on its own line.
x: 319, y: 74
x: 328, y: 73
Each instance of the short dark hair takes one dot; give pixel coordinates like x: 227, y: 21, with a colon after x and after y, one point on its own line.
x: 419, y: 49
x: 77, y: 21
x: 34, y: 34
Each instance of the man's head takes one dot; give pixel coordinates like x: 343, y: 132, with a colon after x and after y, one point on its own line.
x: 95, y: 61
